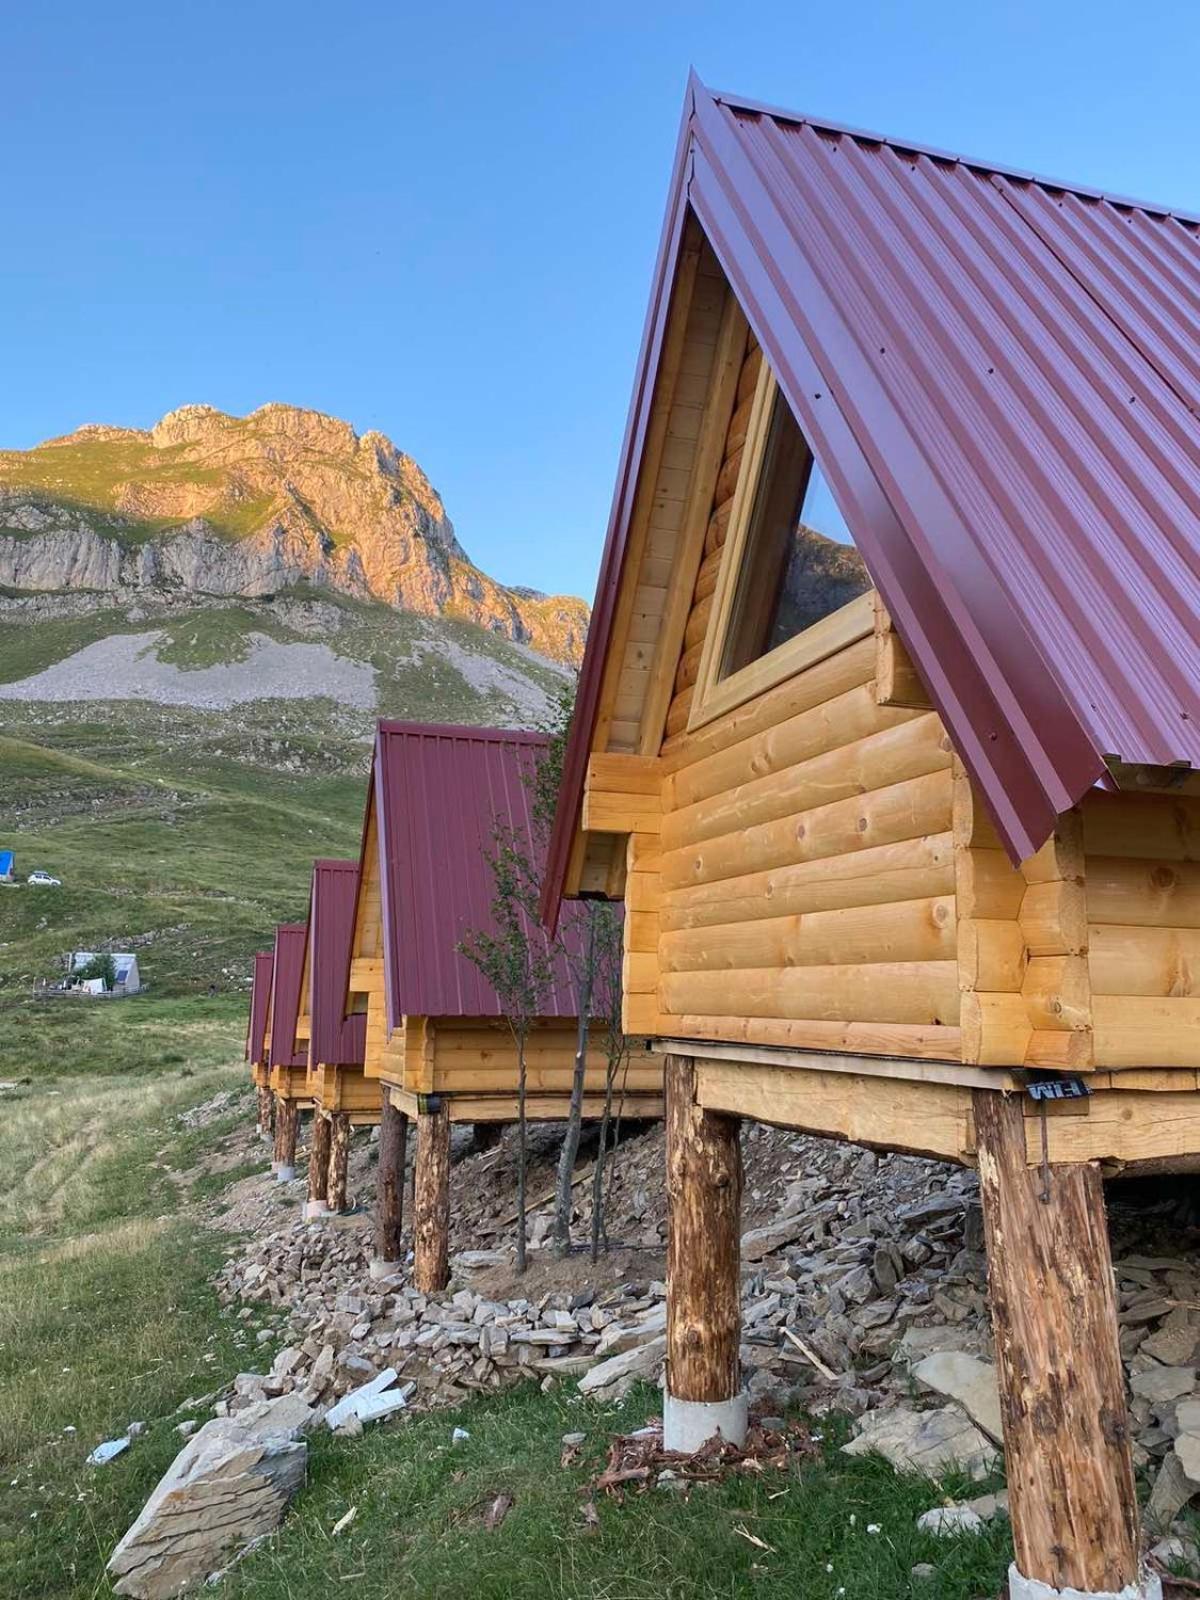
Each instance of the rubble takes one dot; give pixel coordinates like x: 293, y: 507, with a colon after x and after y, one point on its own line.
x: 861, y: 1274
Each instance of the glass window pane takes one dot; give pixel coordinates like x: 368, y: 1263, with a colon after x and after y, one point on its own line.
x: 799, y: 563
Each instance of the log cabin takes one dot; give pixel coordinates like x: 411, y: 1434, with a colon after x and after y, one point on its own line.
x: 436, y: 1035
x: 287, y: 1056
x: 886, y: 735
x: 342, y: 1096
x: 258, y: 1039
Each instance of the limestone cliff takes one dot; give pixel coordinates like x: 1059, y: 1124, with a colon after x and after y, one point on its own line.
x: 215, y: 504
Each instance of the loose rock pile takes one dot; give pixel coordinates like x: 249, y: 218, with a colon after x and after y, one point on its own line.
x: 864, y: 1277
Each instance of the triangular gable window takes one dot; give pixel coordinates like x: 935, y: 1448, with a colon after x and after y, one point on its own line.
x: 792, y: 587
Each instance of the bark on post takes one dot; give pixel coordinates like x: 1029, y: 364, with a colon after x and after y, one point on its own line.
x: 389, y: 1205
x: 287, y: 1123
x: 1062, y: 1386
x: 265, y: 1111
x: 704, y: 1199
x: 431, y: 1201
x: 339, y: 1157
x: 318, y: 1166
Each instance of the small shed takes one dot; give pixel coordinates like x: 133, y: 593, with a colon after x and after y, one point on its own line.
x: 342, y: 1095
x: 887, y: 732
x: 127, y: 977
x: 287, y: 1057
x: 436, y: 1036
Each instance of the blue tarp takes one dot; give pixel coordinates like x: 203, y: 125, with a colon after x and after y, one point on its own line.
x: 6, y: 863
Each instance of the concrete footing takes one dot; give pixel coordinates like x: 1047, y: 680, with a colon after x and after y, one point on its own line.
x: 688, y: 1424
x: 314, y: 1210
x: 1148, y: 1587
x: 284, y: 1172
x: 383, y: 1269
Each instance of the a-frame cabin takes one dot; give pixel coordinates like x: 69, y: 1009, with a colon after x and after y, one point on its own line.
x: 886, y: 729
x: 287, y: 1056
x: 436, y: 1035
x: 257, y: 1038
x: 342, y: 1096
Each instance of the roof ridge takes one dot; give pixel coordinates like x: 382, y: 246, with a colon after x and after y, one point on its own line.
x: 1085, y: 191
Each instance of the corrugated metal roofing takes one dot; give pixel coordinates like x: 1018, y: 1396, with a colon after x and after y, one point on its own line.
x: 999, y: 377
x: 438, y: 794
x: 285, y: 995
x: 337, y: 1039
x: 260, y: 994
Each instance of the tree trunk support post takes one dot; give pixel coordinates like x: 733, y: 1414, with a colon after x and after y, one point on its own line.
x: 287, y: 1124
x: 431, y: 1200
x: 339, y: 1159
x: 704, y: 1395
x: 389, y: 1203
x: 266, y: 1110
x: 1062, y: 1386
x: 318, y: 1167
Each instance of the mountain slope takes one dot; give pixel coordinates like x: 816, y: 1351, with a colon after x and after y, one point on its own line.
x: 212, y: 504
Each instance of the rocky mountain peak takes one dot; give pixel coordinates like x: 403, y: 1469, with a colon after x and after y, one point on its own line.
x: 227, y: 505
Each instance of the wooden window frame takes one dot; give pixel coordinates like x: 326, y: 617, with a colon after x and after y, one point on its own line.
x: 714, y: 695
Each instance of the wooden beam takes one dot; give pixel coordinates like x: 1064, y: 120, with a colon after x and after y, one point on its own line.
x: 339, y: 1159
x: 389, y: 1203
x: 928, y: 1119
x: 704, y: 1201
x: 793, y: 1060
x: 431, y: 1201
x: 1062, y: 1386
x: 318, y: 1159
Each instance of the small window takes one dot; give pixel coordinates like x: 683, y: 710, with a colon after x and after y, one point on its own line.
x: 799, y: 562
x: 792, y: 588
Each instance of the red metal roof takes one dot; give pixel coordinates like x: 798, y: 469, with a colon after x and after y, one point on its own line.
x: 260, y: 993
x: 999, y: 376
x: 438, y: 794
x: 337, y: 1039
x: 285, y: 995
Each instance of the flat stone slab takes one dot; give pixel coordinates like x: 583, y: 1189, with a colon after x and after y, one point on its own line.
x: 640, y: 1362
x: 969, y: 1381
x: 229, y: 1485
x: 927, y: 1442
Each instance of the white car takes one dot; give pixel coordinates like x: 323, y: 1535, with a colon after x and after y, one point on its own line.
x: 43, y: 880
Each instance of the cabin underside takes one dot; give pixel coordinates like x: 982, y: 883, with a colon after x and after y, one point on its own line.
x: 471, y: 1065
x: 345, y: 1089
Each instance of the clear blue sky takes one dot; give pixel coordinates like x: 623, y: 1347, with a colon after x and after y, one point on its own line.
x: 440, y: 220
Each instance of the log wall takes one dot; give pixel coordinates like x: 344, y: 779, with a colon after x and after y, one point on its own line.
x: 805, y: 872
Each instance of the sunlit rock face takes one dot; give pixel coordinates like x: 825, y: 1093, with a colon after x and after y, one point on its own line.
x: 223, y: 505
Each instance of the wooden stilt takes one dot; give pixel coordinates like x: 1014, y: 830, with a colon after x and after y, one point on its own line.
x: 704, y: 1198
x: 431, y: 1201
x: 339, y: 1157
x: 318, y: 1159
x: 266, y: 1109
x: 389, y: 1205
x: 287, y: 1123
x: 1062, y: 1388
